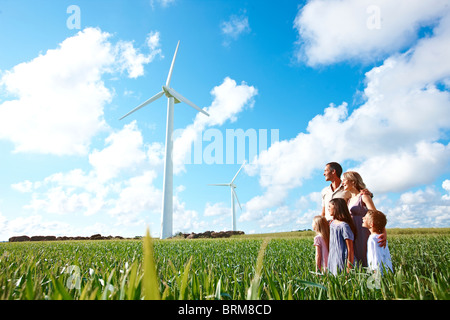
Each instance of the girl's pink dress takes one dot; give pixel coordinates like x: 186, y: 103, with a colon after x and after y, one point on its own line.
x: 318, y: 241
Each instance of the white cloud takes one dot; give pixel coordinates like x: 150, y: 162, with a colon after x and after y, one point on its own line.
x: 446, y: 187
x: 229, y: 100
x: 256, y: 207
x: 153, y: 42
x: 334, y: 31
x: 155, y: 155
x: 131, y: 60
x: 234, y: 27
x: 124, y: 151
x: 60, y: 96
x: 137, y: 196
x: 163, y: 3
x: 30, y: 226
x: 58, y: 99
x: 25, y: 186
x: 59, y: 200
x: 402, y: 170
x: 423, y: 208
x: 185, y: 220
x: 105, y: 186
x: 216, y: 209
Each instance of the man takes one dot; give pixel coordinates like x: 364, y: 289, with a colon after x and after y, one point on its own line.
x: 332, y: 172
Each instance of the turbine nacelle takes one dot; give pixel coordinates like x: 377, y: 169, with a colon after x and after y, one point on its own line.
x: 168, y: 95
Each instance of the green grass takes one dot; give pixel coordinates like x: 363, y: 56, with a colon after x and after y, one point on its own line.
x: 274, y: 266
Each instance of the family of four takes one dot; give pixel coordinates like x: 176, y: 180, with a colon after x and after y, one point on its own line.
x: 350, y: 231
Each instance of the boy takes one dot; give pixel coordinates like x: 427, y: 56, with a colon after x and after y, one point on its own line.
x: 377, y: 257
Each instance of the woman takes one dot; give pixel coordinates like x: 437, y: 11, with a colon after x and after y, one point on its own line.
x: 358, y: 205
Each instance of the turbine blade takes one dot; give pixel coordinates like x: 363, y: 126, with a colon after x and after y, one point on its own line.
x: 155, y: 97
x: 238, y: 171
x: 183, y: 99
x: 171, y: 66
x: 220, y: 184
x: 235, y: 195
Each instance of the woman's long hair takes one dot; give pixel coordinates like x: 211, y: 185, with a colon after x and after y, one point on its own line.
x: 321, y: 226
x: 356, y: 178
x: 341, y: 213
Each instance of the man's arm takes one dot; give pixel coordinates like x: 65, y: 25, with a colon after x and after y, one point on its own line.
x: 382, y: 239
x: 367, y: 193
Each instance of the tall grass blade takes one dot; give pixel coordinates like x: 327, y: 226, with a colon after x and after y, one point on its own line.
x: 131, y: 292
x: 184, y: 280
x: 218, y: 289
x: 151, y: 287
x: 63, y: 294
x: 252, y: 293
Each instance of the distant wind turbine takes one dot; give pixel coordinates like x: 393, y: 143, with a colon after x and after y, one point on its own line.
x: 173, y: 97
x: 233, y: 195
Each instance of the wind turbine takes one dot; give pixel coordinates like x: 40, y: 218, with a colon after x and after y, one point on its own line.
x: 233, y: 195
x: 172, y: 98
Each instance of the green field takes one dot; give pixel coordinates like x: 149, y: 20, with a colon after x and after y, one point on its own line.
x: 271, y: 266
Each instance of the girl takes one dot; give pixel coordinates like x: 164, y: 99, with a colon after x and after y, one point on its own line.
x: 342, y: 234
x: 321, y: 242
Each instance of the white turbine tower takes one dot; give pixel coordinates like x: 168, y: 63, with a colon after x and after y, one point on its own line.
x: 172, y: 97
x: 233, y: 195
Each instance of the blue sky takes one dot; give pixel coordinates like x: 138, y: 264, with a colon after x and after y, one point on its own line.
x: 364, y: 83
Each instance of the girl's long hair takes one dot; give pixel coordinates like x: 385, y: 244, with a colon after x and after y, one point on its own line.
x: 341, y: 213
x: 321, y: 226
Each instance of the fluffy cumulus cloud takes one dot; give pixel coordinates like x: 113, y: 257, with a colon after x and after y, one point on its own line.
x: 57, y: 100
x: 137, y: 195
x: 333, y: 31
x: 398, y: 138
x: 230, y: 99
x: 58, y: 97
x: 120, y: 185
x: 131, y: 60
x: 216, y: 209
x: 446, y: 187
x: 423, y: 208
x: 124, y: 150
x: 31, y: 225
x: 121, y: 180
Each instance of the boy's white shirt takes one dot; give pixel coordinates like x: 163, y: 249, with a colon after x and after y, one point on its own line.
x: 377, y: 256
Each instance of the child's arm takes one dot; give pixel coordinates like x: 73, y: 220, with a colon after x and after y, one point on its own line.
x: 318, y: 259
x: 350, y: 254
